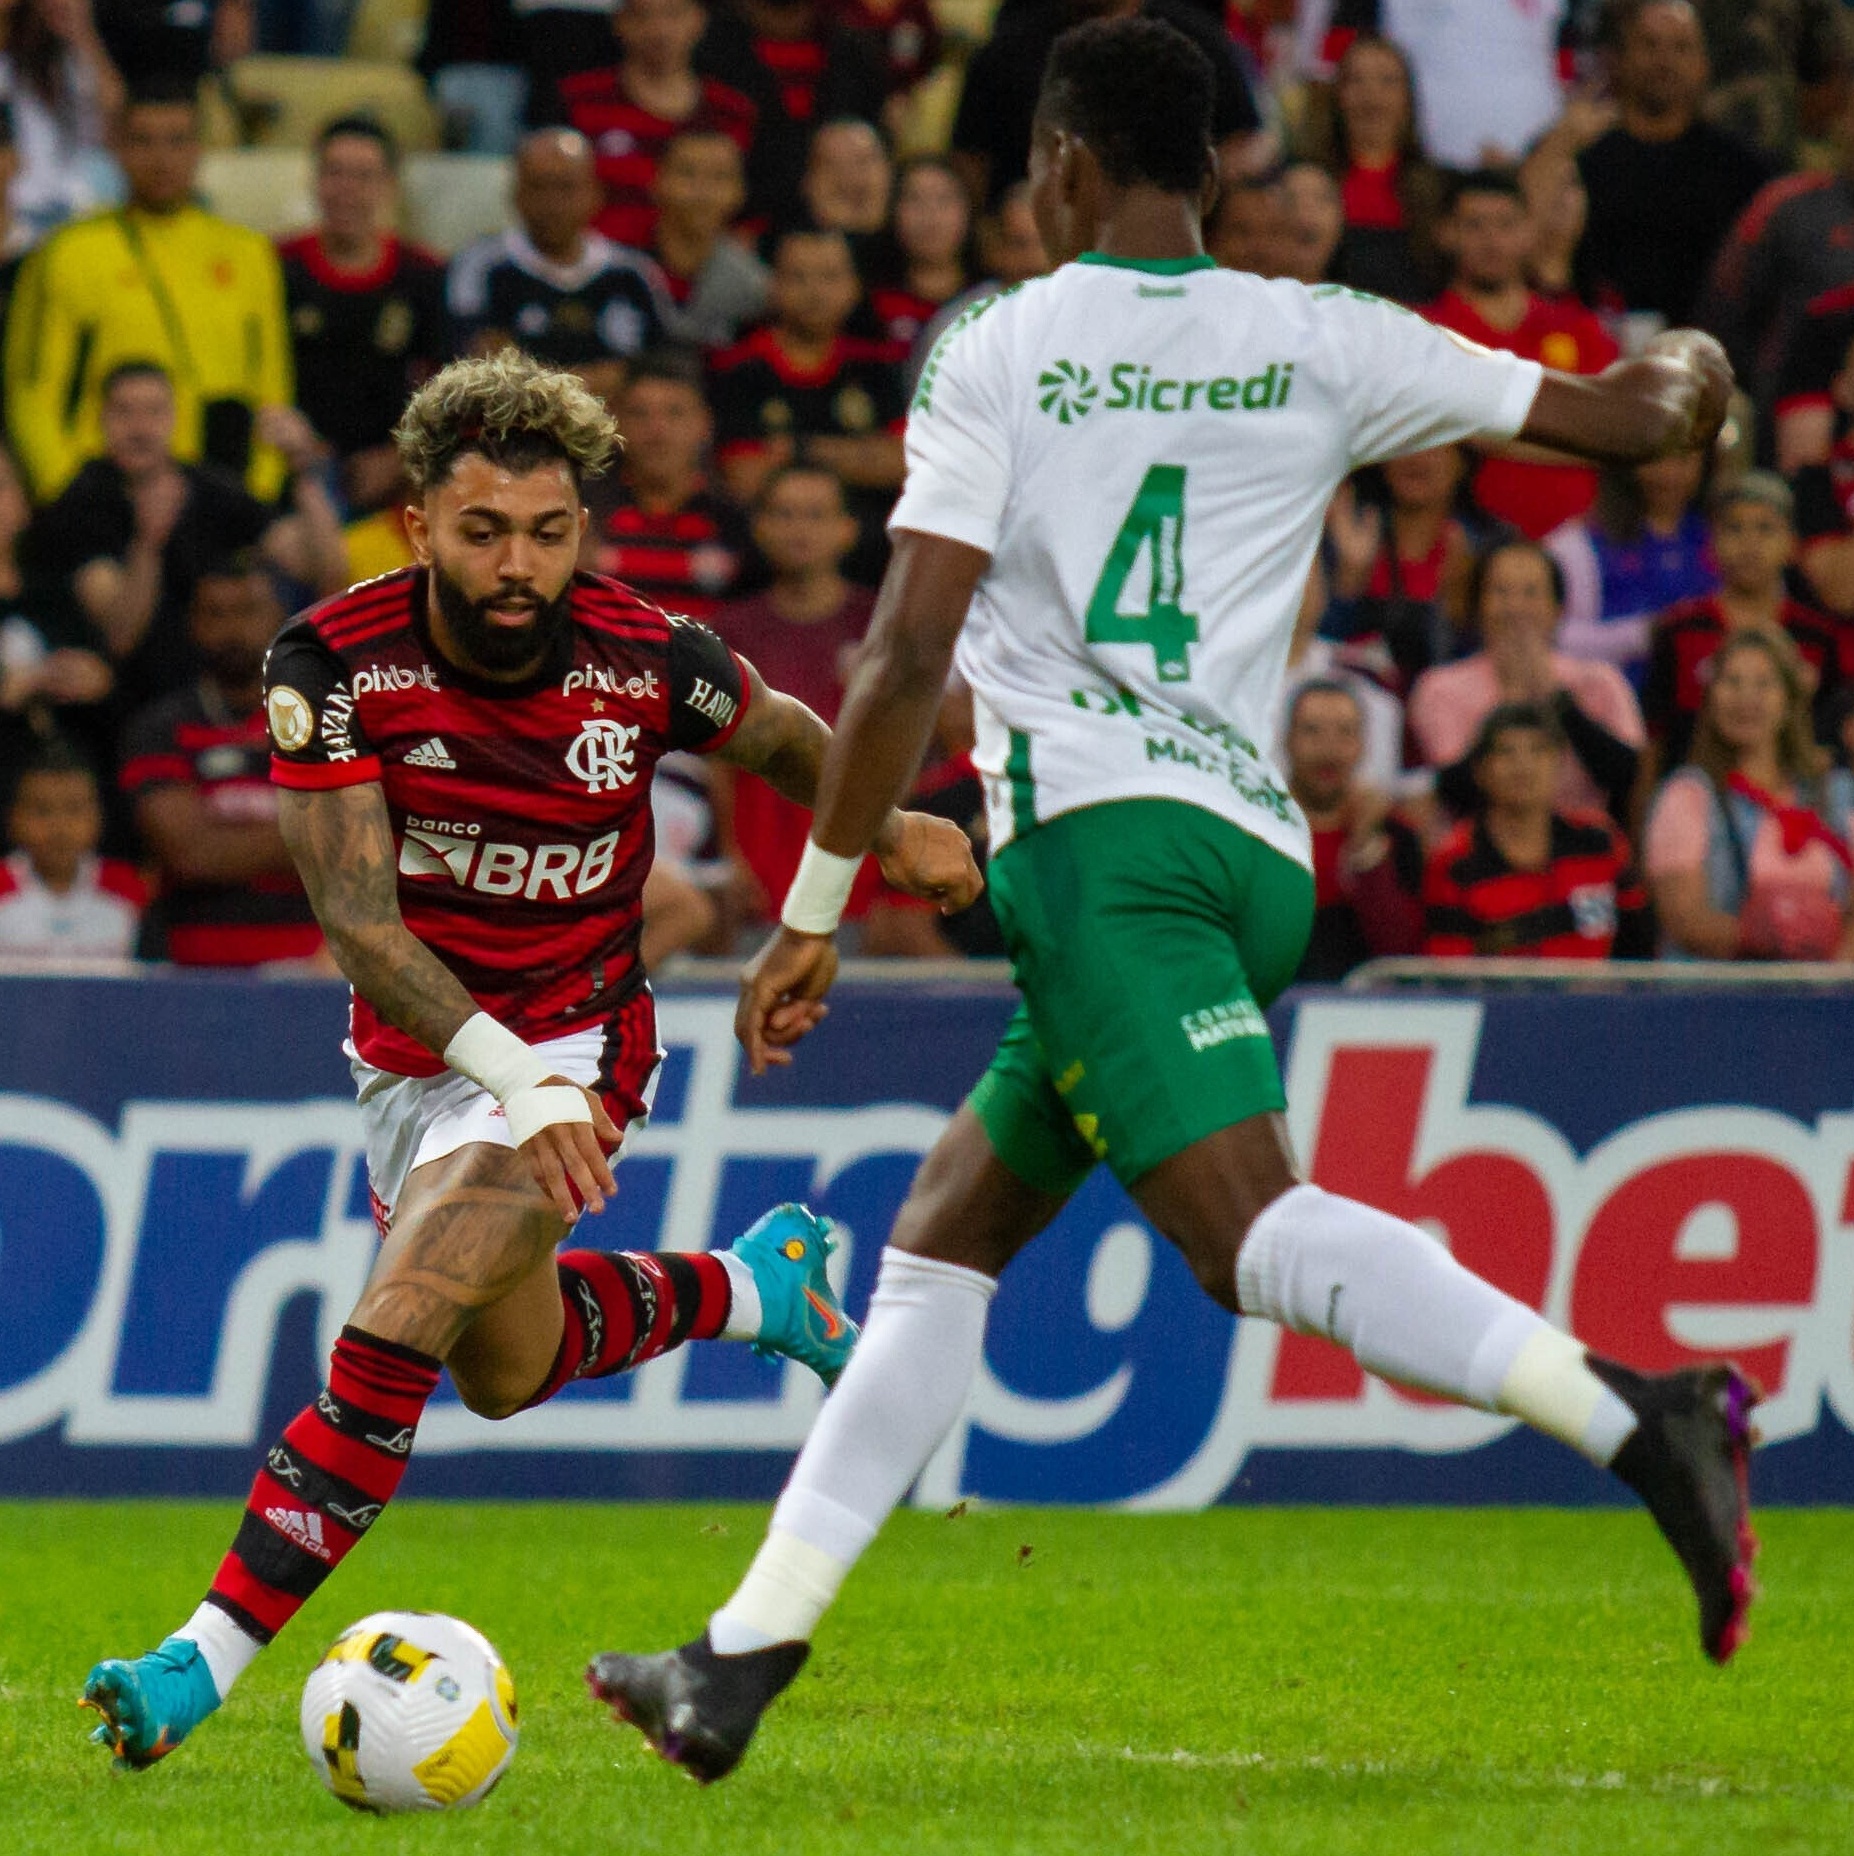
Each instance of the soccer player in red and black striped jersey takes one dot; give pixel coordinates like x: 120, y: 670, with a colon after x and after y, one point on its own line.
x: 1522, y: 878
x: 465, y: 750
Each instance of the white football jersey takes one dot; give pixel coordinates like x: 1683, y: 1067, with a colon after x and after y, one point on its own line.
x: 1146, y: 451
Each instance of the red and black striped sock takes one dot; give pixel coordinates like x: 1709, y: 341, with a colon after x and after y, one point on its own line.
x: 624, y: 1307
x: 324, y: 1484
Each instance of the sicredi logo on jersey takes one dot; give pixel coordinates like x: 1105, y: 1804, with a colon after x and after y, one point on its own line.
x: 1071, y: 391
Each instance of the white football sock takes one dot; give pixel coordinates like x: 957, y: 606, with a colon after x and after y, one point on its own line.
x: 744, y: 1313
x: 905, y: 1386
x: 226, y: 1650
x: 1395, y: 1297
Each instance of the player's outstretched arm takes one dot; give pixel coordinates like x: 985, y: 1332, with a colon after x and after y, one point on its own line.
x: 342, y: 841
x: 1671, y: 398
x: 868, y: 765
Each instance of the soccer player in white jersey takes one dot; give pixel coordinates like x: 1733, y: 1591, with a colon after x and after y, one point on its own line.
x: 1116, y: 480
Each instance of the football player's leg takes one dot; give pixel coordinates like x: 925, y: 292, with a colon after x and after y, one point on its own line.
x: 967, y: 1215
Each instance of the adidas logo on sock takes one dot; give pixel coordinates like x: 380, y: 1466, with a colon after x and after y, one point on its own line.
x: 432, y: 753
x: 304, y: 1529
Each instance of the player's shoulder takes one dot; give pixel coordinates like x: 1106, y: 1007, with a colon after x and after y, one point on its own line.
x: 601, y: 603
x: 367, y: 613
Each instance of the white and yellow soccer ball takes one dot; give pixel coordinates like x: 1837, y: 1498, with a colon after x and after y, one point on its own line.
x: 410, y: 1711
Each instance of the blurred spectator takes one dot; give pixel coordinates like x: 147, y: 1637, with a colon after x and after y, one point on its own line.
x: 367, y: 317
x: 1367, y: 864
x: 54, y: 680
x: 59, y: 900
x: 802, y: 634
x: 1315, y: 223
x: 187, y: 39
x: 161, y: 280
x: 632, y: 111
x: 1524, y: 878
x: 934, y: 255
x: 678, y: 913
x: 1789, y: 260
x: 907, y: 32
x: 1248, y: 228
x: 849, y: 183
x: 1748, y: 848
x: 471, y: 55
x: 15, y: 238
x: 135, y: 527
x: 1486, y: 71
x: 1391, y: 191
x: 64, y: 89
x: 657, y: 523
x: 1515, y: 598
x: 800, y: 67
x: 1664, y: 184
x: 1559, y: 209
x: 1778, y: 69
x: 801, y: 389
x: 716, y: 284
x: 1489, y: 301
x: 1400, y: 572
x: 991, y: 133
x: 197, y: 765
x: 1754, y: 541
x: 1010, y: 253
x: 553, y: 286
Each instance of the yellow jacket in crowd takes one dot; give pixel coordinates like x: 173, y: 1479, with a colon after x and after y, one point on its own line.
x: 192, y: 291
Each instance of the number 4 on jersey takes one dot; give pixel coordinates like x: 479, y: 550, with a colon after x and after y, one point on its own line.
x: 1154, y: 527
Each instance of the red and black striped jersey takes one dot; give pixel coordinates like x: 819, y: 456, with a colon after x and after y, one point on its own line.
x: 688, y: 559
x: 521, y: 812
x: 628, y: 142
x: 191, y: 739
x: 1573, y: 909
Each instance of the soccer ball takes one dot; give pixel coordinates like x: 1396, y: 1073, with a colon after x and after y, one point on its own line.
x: 409, y: 1711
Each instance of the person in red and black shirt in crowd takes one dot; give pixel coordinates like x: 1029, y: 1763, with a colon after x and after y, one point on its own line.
x: 800, y: 67
x: 907, y: 31
x: 805, y: 630
x: 934, y: 251
x: 1521, y: 878
x: 1490, y: 302
x: 632, y: 110
x: 1392, y: 190
x: 849, y: 187
x: 197, y: 767
x: 717, y: 285
x: 367, y: 317
x: 657, y: 523
x: 1754, y: 542
x: 1367, y: 863
x: 1815, y: 443
x: 802, y: 388
x: 559, y: 290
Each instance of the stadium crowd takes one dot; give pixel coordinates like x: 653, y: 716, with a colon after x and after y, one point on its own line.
x: 1531, y: 709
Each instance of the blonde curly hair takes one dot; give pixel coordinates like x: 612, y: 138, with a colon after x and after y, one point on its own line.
x: 511, y: 409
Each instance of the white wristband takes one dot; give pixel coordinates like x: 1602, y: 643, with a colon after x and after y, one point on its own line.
x: 494, y: 1058
x: 820, y: 891
x: 531, y: 1110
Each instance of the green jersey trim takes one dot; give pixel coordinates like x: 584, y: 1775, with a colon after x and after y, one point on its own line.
x: 1023, y: 784
x: 1153, y: 267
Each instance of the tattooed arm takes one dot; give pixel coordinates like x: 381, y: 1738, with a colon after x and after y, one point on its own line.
x: 342, y: 842
x: 784, y: 743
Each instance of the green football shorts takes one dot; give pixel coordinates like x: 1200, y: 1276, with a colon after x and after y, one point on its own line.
x: 1147, y: 936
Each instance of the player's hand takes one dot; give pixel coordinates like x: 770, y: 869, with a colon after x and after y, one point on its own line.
x: 782, y: 996
x: 569, y: 1157
x: 1710, y: 384
x: 930, y: 859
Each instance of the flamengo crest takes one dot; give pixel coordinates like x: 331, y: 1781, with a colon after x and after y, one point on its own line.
x: 602, y: 756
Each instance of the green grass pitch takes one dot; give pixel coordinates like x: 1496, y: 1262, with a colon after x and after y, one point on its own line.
x: 1260, y: 1681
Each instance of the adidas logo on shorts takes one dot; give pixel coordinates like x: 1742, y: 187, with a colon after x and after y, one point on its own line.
x: 432, y: 753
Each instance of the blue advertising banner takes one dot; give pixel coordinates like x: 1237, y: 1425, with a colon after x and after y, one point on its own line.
x: 184, y: 1224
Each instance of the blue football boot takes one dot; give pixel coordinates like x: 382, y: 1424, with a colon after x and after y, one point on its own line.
x: 151, y: 1704
x: 800, y: 1316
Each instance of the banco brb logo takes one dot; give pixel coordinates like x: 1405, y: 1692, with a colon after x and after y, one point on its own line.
x: 1067, y: 390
